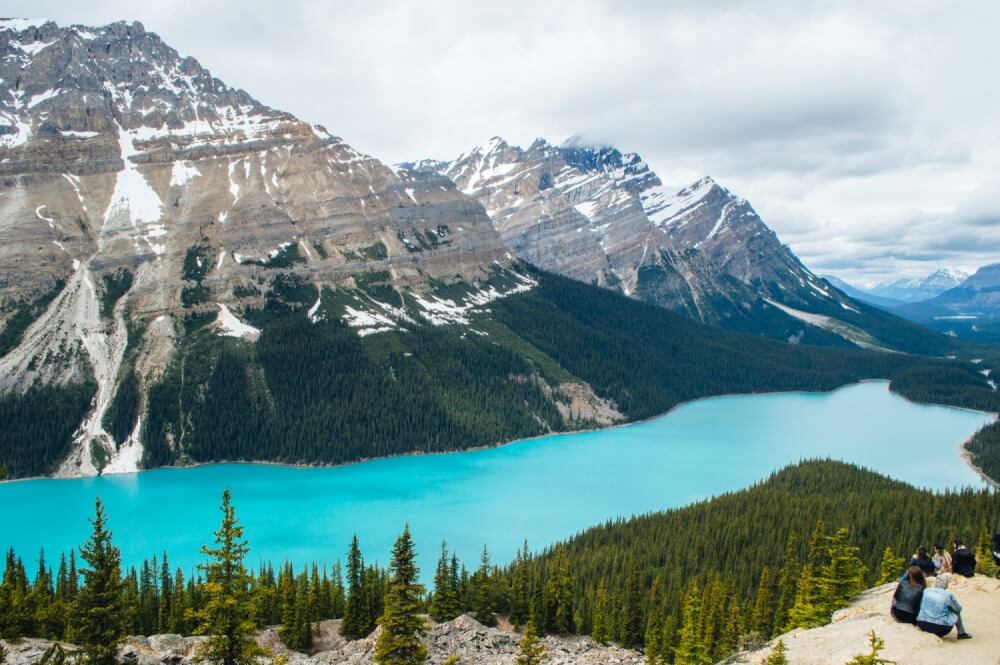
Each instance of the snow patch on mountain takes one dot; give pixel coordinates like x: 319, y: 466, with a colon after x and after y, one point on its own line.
x: 229, y: 325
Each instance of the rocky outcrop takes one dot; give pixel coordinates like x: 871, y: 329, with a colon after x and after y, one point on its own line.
x: 847, y: 635
x: 473, y: 643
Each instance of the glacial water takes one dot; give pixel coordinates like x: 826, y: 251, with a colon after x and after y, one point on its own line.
x: 542, y: 490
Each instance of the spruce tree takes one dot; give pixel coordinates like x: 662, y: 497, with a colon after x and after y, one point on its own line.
x: 444, y: 601
x: 890, y: 567
x: 691, y: 650
x: 787, y: 582
x: 843, y: 575
x: 763, y: 605
x: 100, y: 611
x: 530, y: 650
x: 632, y: 623
x: 355, y: 623
x: 777, y: 655
x: 227, y: 614
x: 985, y: 565
x: 485, y: 598
x: 559, y: 591
x: 654, y: 623
x: 599, y: 617
x: 177, y: 622
x: 400, y: 641
x: 520, y: 592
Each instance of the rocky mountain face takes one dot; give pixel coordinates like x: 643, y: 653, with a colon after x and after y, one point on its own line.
x: 598, y: 215
x: 138, y: 190
x: 921, y: 288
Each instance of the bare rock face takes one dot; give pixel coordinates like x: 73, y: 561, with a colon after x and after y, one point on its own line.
x: 140, y: 189
x: 600, y: 216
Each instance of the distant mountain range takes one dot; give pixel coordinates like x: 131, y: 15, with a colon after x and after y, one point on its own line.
x: 953, y: 302
x: 923, y: 288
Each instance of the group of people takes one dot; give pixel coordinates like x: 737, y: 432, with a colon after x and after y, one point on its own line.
x: 934, y: 610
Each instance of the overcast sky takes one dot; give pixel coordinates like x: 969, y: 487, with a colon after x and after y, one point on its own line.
x: 866, y: 134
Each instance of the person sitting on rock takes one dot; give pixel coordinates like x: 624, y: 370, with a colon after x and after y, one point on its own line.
x: 940, y: 610
x: 963, y: 561
x: 941, y: 559
x: 922, y: 561
x: 906, y: 599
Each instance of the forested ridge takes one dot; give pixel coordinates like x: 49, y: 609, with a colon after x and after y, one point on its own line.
x: 310, y: 392
x: 317, y: 392
x: 985, y: 450
x: 686, y: 585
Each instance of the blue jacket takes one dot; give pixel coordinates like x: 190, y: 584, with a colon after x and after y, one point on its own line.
x: 939, y: 606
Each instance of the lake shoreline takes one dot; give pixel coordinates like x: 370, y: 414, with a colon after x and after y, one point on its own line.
x: 963, y: 452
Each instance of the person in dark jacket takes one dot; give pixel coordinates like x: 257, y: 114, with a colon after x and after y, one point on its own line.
x: 996, y: 548
x: 922, y: 561
x: 963, y: 561
x: 908, y: 594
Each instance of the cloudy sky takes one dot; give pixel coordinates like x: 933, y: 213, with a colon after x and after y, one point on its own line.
x: 866, y: 134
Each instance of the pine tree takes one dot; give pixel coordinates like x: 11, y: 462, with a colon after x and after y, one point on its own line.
x: 530, y: 650
x: 691, y: 649
x: 400, y: 642
x: 891, y: 566
x: 100, y: 611
x: 877, y: 644
x: 777, y: 655
x: 599, y: 617
x: 356, y: 617
x: 227, y: 615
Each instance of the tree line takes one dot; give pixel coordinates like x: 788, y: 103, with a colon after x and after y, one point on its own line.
x: 688, y: 586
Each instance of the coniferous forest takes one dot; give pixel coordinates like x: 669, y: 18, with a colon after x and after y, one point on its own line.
x: 687, y: 585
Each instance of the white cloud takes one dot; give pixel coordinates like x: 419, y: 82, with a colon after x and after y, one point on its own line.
x: 865, y: 133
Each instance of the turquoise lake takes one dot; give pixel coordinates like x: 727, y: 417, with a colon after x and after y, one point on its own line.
x: 542, y: 490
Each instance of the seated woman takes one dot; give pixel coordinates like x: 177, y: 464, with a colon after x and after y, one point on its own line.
x: 924, y: 562
x: 940, y: 610
x: 941, y: 559
x: 906, y: 599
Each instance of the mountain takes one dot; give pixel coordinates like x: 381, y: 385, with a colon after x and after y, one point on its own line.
x: 863, y: 296
x: 188, y: 275
x: 922, y: 288
x: 971, y: 309
x: 603, y: 217
x: 139, y: 191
